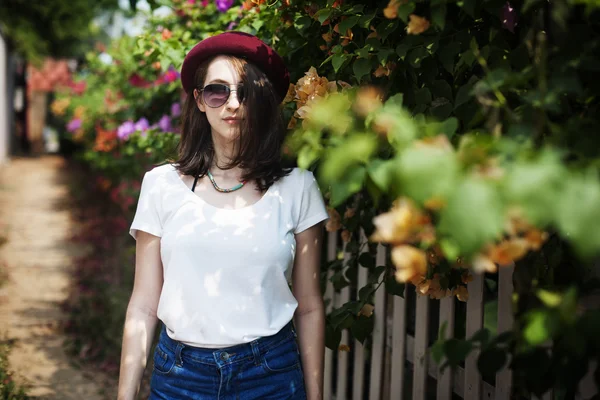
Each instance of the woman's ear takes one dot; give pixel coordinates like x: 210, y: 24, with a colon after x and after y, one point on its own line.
x: 198, y: 99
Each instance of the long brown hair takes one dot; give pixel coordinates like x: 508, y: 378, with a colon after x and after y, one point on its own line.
x: 261, y: 132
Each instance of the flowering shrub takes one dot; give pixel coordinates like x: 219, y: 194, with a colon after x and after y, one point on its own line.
x: 462, y: 137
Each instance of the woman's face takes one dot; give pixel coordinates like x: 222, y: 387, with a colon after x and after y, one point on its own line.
x: 225, y: 119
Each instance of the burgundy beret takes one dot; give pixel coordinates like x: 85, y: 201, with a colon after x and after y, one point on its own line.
x: 242, y: 45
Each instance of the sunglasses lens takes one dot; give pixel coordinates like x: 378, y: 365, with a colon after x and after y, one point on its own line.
x: 216, y: 95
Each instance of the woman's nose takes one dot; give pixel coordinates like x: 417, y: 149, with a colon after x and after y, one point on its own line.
x: 232, y: 101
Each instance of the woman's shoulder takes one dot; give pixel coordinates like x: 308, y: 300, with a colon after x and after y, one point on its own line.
x: 160, y: 171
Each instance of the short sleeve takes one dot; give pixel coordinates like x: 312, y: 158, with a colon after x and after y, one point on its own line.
x: 148, y: 211
x: 312, y: 207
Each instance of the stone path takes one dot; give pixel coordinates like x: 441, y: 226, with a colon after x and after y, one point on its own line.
x: 35, y: 217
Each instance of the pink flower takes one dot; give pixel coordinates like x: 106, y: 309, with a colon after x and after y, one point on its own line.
x: 137, y: 81
x: 509, y: 17
x: 74, y: 124
x: 223, y: 5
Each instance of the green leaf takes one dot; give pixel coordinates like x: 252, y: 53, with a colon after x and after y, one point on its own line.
x: 568, y: 305
x: 578, y: 213
x: 550, y: 299
x: 361, y: 67
x: 384, y: 54
x: 338, y: 60
x: 356, y: 149
x: 427, y: 172
x: 469, y: 7
x: 473, y: 216
x: 541, y: 326
x: 392, y: 286
x: 456, y: 350
x: 307, y: 156
x: 333, y: 337
x: 323, y: 14
x: 538, y: 187
x: 463, y: 95
x: 441, y: 88
x: 367, y: 260
x: 447, y: 55
x: 386, y: 27
x: 348, y: 23
x: 382, y: 172
x: 416, y: 56
x: 350, y: 184
x: 364, y: 52
x: 482, y: 336
x: 362, y: 328
x: 491, y: 361
x: 405, y: 10
x: 302, y: 23
x: 257, y: 24
x: 423, y: 96
x: 365, y: 20
x: 402, y: 49
x: 438, y: 15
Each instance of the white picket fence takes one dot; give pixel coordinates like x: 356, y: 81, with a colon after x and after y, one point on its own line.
x: 379, y: 374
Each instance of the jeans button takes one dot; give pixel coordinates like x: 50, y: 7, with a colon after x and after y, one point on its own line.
x: 224, y: 356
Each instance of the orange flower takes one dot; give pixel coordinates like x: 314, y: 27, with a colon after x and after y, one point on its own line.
x: 384, y: 70
x: 391, y: 11
x: 409, y: 261
x: 417, y: 25
x: 535, y: 239
x: 334, y: 223
x: 368, y: 100
x: 367, y: 310
x: 346, y: 236
x: 293, y: 122
x: 482, y: 263
x: 461, y: 292
x: 349, y: 213
x: 166, y: 34
x: 291, y: 93
x: 400, y: 224
x: 508, y: 251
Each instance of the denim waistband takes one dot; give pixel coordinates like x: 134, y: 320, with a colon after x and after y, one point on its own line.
x: 227, y: 354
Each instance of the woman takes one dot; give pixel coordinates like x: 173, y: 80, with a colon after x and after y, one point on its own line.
x: 219, y: 233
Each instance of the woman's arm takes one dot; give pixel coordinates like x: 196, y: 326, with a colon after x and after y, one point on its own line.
x: 310, y: 314
x: 141, y: 319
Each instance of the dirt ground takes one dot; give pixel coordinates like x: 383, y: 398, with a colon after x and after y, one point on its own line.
x: 35, y: 217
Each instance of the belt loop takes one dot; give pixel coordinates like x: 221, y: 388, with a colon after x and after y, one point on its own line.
x: 256, y: 352
x: 178, y: 349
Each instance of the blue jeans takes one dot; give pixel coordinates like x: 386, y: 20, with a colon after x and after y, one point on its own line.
x: 267, y: 369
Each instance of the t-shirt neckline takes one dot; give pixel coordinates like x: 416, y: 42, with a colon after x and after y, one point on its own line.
x: 204, y: 202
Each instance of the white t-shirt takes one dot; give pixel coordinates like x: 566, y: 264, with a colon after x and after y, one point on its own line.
x: 226, y: 271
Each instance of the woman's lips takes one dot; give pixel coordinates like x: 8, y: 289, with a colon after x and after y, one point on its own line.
x: 231, y: 121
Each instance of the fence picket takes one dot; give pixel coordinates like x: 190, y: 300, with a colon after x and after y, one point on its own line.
x: 398, y: 349
x: 378, y: 334
x: 358, y: 381
x: 341, y: 392
x: 420, y: 360
x: 329, y: 294
x: 474, y: 323
x: 505, y: 323
x: 445, y: 378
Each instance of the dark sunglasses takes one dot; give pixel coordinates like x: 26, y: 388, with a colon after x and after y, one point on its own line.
x: 217, y: 94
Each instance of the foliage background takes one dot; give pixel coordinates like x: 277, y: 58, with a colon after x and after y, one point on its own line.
x: 464, y: 138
